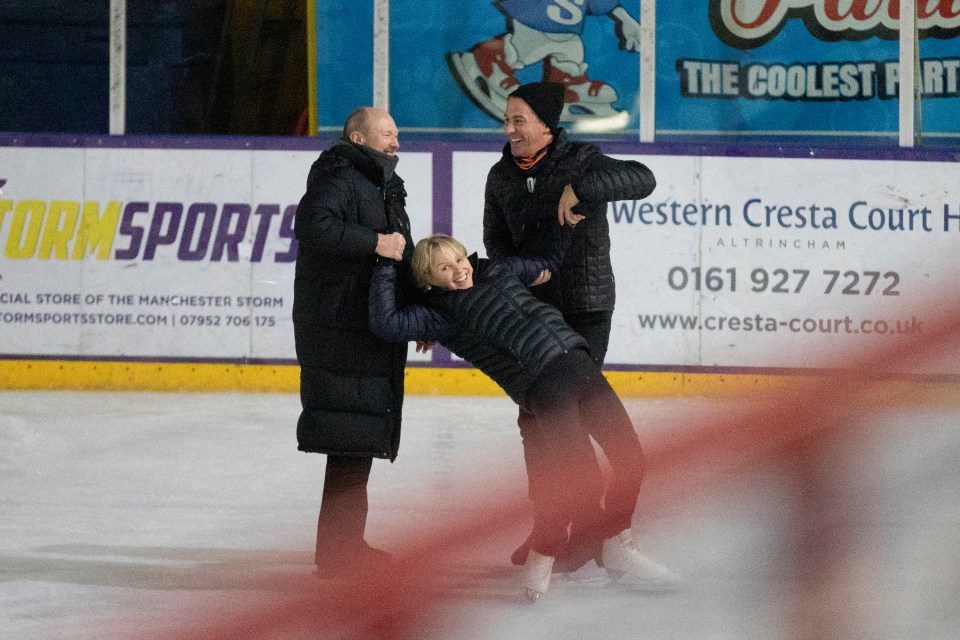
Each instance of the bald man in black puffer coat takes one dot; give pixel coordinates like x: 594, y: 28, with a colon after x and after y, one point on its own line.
x: 351, y: 383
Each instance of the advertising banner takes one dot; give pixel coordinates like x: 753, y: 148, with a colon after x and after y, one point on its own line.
x: 768, y: 262
x: 156, y: 253
x: 768, y: 66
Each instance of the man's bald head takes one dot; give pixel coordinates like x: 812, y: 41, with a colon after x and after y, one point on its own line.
x: 373, y: 128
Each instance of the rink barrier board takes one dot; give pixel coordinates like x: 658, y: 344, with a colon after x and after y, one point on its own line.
x: 62, y: 375
x: 438, y: 194
x: 163, y: 376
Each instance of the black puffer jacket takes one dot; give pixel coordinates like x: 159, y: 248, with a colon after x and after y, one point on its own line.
x: 497, y: 325
x: 351, y: 383
x: 519, y: 203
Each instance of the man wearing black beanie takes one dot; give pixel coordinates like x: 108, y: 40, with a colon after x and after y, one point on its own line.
x: 545, y: 98
x: 545, y: 179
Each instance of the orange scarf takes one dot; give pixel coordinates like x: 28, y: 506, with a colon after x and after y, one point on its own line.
x: 528, y: 163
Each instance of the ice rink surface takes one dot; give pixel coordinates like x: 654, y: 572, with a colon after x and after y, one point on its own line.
x: 127, y: 514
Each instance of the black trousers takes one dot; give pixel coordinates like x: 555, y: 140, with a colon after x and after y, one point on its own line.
x: 574, y: 510
x: 594, y: 326
x: 343, y: 508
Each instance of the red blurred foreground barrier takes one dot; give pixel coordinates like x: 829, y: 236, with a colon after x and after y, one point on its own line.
x: 792, y: 429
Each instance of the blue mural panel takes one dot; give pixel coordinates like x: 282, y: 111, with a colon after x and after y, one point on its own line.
x: 723, y: 66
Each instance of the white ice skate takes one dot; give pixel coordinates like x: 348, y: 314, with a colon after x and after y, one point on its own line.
x: 484, y: 75
x: 585, y: 98
x: 624, y: 562
x: 536, y: 576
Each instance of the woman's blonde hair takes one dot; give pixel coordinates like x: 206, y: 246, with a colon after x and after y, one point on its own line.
x: 424, y: 251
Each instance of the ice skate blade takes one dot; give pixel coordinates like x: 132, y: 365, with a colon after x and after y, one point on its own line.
x: 599, y: 123
x: 530, y: 596
x: 654, y: 585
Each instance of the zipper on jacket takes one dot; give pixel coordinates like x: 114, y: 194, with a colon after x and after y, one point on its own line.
x: 390, y: 212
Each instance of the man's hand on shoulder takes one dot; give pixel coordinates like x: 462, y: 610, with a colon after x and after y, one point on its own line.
x: 391, y: 245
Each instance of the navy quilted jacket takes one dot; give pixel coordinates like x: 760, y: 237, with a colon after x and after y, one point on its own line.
x: 497, y: 325
x: 518, y: 205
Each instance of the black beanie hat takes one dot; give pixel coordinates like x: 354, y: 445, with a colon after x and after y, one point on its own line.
x: 545, y: 98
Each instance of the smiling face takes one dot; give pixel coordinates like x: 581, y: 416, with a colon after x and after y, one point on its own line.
x: 525, y: 132
x: 379, y: 132
x: 450, y: 270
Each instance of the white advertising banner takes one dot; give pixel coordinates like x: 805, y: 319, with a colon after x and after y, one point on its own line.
x: 156, y: 253
x: 733, y: 263
x: 740, y: 262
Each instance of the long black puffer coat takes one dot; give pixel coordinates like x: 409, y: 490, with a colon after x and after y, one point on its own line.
x: 519, y: 204
x: 351, y: 383
x: 497, y: 324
